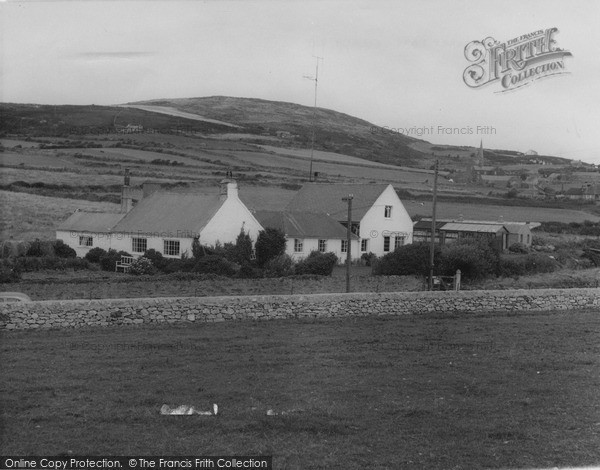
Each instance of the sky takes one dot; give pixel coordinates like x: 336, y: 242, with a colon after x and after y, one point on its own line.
x: 397, y: 64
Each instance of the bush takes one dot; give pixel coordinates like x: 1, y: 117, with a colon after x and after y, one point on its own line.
x: 9, y: 274
x: 368, y: 258
x: 406, y: 260
x: 94, y: 255
x: 157, y: 259
x: 110, y: 259
x: 280, y: 266
x: 518, y: 248
x: 269, y: 244
x: 247, y: 271
x: 36, y: 263
x: 39, y: 248
x: 142, y: 266
x: 476, y: 259
x: 317, y: 263
x: 62, y: 250
x: 216, y: 265
x: 243, y: 249
x: 529, y: 264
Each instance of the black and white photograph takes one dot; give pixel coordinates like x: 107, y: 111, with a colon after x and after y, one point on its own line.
x: 299, y: 234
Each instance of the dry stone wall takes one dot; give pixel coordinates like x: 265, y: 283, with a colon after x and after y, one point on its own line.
x: 116, y: 312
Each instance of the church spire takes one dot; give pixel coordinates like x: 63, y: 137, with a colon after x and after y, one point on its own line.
x: 480, y: 157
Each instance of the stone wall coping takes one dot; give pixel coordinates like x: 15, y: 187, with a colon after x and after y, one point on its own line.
x: 309, y: 298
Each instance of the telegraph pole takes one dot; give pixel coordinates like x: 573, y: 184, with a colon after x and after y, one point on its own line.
x: 348, y: 239
x: 312, y: 146
x: 432, y: 247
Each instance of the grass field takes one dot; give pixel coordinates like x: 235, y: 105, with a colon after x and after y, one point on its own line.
x: 443, y: 391
x: 28, y: 216
x: 452, y: 210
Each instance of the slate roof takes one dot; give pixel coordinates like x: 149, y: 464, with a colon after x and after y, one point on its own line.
x: 327, y: 198
x: 170, y: 214
x: 296, y: 224
x: 516, y: 228
x: 97, y: 222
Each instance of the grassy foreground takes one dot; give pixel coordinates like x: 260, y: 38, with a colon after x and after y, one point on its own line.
x: 446, y: 391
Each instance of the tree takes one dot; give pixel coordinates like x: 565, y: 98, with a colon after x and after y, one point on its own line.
x: 197, y: 250
x: 269, y: 244
x: 243, y: 248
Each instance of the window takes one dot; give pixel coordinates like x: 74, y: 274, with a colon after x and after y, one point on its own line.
x: 139, y: 245
x: 388, y: 212
x: 171, y: 247
x: 364, y: 244
x: 86, y: 241
x: 322, y: 246
x: 298, y: 245
x: 521, y: 238
x: 528, y: 239
x: 386, y: 243
x: 344, y: 246
x: 398, y: 242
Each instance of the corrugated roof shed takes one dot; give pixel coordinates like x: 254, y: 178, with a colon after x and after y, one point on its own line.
x: 97, y: 222
x: 479, y: 228
x: 327, y: 198
x: 170, y: 213
x: 303, y: 224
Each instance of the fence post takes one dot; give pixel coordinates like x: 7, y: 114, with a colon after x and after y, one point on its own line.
x: 457, y: 280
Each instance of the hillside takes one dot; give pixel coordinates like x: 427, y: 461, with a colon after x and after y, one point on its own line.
x: 247, y: 120
x: 293, y: 124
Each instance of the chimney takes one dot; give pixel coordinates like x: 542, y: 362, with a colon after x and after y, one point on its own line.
x: 461, y: 218
x: 501, y: 219
x: 126, y: 194
x: 228, y: 189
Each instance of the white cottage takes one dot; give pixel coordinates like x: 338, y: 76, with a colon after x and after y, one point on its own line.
x: 306, y: 232
x: 167, y: 222
x: 379, y: 218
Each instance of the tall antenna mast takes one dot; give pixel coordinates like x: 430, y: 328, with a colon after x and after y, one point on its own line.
x: 312, y: 146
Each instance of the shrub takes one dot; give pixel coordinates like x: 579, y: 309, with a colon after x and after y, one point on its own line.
x: 39, y: 248
x: 247, y: 271
x: 62, y: 250
x: 476, y: 259
x: 317, y: 263
x: 270, y: 243
x: 406, y: 260
x: 110, y: 259
x: 94, y: 255
x: 142, y: 266
x: 529, y: 264
x: 243, y: 248
x: 280, y: 266
x: 157, y: 259
x: 215, y: 264
x: 368, y: 258
x: 518, y: 248
x: 198, y: 250
x: 9, y: 274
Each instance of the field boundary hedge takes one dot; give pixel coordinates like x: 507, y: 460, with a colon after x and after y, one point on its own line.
x: 118, y: 312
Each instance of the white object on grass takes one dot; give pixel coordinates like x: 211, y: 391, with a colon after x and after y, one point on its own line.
x: 187, y: 410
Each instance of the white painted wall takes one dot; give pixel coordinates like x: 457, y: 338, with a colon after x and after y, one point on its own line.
x: 71, y: 238
x: 226, y: 224
x: 374, y: 225
x: 312, y: 244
